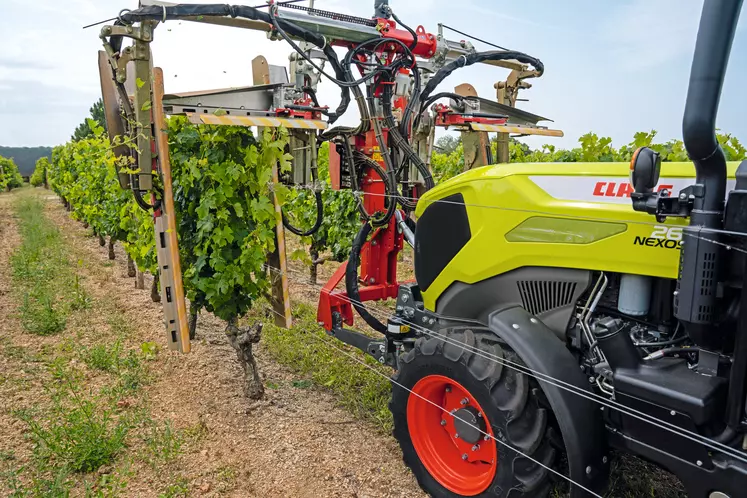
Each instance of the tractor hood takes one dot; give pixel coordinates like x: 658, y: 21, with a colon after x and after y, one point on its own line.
x: 590, y: 182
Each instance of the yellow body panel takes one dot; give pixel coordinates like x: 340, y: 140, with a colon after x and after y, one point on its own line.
x: 526, y: 214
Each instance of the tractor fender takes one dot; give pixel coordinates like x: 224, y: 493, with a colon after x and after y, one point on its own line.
x: 579, y: 418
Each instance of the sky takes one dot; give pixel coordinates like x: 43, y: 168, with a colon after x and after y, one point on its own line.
x: 612, y: 67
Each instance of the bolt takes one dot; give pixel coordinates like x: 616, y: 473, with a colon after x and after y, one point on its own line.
x: 605, y: 459
x: 464, y: 401
x: 591, y: 380
x: 673, y: 413
x: 373, y: 242
x: 431, y: 321
x: 486, y: 438
x: 129, y: 29
x: 516, y: 326
x: 456, y: 436
x: 464, y: 457
x: 676, y: 293
x: 588, y: 470
x: 479, y: 414
x: 425, y: 319
x: 700, y: 464
x: 372, y: 280
x: 443, y: 422
x: 476, y: 447
x: 448, y: 389
x: 382, y: 348
x: 405, y: 298
x: 534, y: 320
x: 320, y: 323
x: 382, y: 360
x: 683, y: 196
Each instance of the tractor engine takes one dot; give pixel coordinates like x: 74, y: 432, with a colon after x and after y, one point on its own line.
x: 622, y: 319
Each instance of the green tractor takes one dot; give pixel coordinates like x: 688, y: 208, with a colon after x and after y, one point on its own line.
x: 573, y: 309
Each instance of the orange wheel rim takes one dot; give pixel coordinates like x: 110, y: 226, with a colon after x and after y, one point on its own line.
x: 437, y: 410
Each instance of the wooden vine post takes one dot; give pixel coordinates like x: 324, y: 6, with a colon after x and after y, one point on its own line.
x: 172, y: 288
x: 276, y: 260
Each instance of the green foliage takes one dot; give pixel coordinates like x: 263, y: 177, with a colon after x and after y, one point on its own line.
x: 341, y: 220
x: 447, y: 144
x: 593, y: 148
x: 10, y: 178
x: 447, y: 165
x: 226, y: 221
x: 87, y: 129
x: 84, y: 173
x: 39, y: 177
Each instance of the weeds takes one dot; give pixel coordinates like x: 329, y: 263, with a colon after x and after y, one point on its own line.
x: 163, y: 443
x: 179, y: 489
x: 79, y: 433
x: 360, y: 390
x: 103, y: 357
x: 81, y: 300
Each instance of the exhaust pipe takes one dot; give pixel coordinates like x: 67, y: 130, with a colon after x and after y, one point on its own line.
x: 718, y: 24
x: 701, y: 261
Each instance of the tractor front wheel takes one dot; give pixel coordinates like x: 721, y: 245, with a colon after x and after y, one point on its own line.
x: 469, y: 424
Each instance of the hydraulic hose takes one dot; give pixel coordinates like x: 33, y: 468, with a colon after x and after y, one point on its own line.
x: 468, y: 60
x: 402, y: 143
x: 351, y: 279
x: 317, y: 197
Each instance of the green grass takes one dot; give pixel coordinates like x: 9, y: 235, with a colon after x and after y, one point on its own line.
x: 80, y: 432
x: 81, y: 426
x: 41, y: 270
x: 358, y: 389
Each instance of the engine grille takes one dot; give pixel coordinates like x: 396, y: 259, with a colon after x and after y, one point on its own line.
x: 541, y: 296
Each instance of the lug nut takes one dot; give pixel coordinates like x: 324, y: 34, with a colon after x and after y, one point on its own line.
x: 443, y: 422
x: 486, y: 438
x: 464, y: 401
x: 456, y: 436
x: 476, y: 447
x: 448, y: 389
x: 464, y: 457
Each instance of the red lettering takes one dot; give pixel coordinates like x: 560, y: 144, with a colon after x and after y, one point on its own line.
x: 662, y: 187
x: 598, y: 188
x: 625, y: 190
x: 610, y: 189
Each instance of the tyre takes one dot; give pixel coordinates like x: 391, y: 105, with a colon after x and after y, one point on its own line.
x: 459, y: 414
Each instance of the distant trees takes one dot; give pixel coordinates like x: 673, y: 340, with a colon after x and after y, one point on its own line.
x: 97, y: 114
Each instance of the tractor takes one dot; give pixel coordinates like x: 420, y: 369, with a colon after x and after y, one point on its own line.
x: 578, y: 308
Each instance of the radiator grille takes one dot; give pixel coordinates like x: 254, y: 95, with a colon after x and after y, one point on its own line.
x: 540, y: 296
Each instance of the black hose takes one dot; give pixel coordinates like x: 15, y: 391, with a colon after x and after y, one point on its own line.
x: 351, y: 279
x: 468, y: 60
x: 145, y: 205
x: 390, y: 190
x: 400, y: 141
x: 317, y: 196
x: 317, y: 222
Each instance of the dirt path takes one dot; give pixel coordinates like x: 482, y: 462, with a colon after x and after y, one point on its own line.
x: 295, y: 443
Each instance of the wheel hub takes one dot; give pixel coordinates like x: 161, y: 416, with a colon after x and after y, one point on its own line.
x: 469, y: 424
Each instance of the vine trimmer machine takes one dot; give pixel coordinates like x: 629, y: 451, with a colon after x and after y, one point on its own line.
x: 557, y: 309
